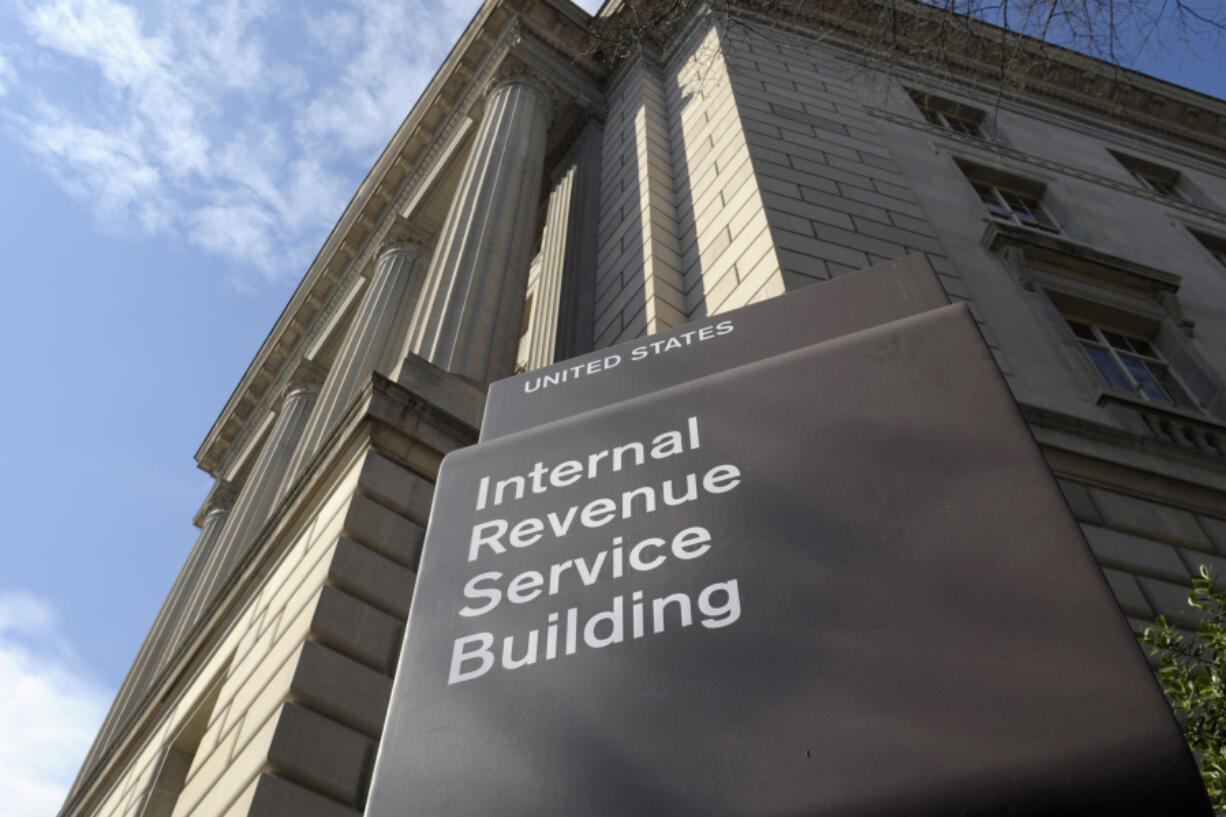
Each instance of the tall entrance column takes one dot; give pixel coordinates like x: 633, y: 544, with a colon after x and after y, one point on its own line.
x: 471, y: 307
x: 267, y: 483
x: 373, y: 343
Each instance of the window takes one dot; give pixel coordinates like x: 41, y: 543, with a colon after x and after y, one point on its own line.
x: 1011, y: 198
x: 1216, y: 245
x: 950, y: 115
x: 1122, y: 317
x: 1017, y: 207
x: 1129, y: 363
x: 1155, y: 178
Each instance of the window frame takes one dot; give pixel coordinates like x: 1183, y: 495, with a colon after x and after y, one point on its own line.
x: 955, y: 117
x: 1147, y: 357
x: 1013, y: 205
x: 1157, y: 179
x: 953, y: 122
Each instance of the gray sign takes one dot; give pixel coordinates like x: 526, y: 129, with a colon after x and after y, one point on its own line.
x: 850, y: 303
x: 836, y: 581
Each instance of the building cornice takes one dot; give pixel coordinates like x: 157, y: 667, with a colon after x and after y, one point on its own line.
x: 542, y: 28
x: 1037, y: 70
x: 563, y: 42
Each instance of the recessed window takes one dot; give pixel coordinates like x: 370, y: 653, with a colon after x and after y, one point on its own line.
x: 1010, y: 198
x: 950, y: 115
x: 1021, y: 208
x: 1130, y: 363
x: 1153, y: 177
x: 1215, y: 244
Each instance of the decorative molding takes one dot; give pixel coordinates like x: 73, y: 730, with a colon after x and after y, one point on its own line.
x: 1173, y: 426
x: 1019, y: 247
x: 566, y: 71
x: 220, y: 499
x: 515, y: 73
x: 342, y: 297
x: 1015, y: 259
x: 401, y: 235
x: 439, y: 154
x: 1099, y: 433
x: 243, y: 447
x: 1075, y: 80
x: 305, y: 376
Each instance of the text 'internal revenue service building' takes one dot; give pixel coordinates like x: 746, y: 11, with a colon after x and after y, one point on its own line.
x: 835, y: 579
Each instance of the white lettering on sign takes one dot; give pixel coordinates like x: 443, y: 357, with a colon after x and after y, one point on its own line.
x: 627, y: 616
x: 565, y: 374
x: 717, y: 605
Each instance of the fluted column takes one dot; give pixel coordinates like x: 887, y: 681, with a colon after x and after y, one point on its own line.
x: 374, y: 342
x: 563, y: 304
x: 205, y: 552
x: 268, y: 481
x: 469, y: 315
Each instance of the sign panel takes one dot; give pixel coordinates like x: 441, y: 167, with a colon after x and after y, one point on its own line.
x: 850, y: 303
x: 839, y: 580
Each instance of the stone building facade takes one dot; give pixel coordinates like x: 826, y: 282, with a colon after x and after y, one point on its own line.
x: 549, y: 195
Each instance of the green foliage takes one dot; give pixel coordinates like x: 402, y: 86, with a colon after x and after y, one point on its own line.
x: 1192, y: 671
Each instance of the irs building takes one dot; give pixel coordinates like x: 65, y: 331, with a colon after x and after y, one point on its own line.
x: 568, y: 183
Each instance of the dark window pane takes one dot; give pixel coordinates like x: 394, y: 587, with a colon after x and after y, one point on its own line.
x: 1142, y: 347
x: 987, y: 195
x: 962, y: 126
x: 1019, y: 205
x: 1160, y: 186
x: 1106, y: 367
x: 1081, y: 330
x: 1171, y: 386
x: 1118, y: 341
x: 1145, y: 381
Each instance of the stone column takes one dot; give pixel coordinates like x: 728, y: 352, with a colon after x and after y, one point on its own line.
x: 374, y: 342
x: 469, y: 315
x: 268, y: 481
x: 205, y: 552
x: 562, y: 309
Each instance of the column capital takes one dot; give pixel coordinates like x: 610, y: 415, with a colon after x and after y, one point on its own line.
x: 515, y: 73
x: 219, y: 501
x: 306, y: 378
x: 403, y: 237
x: 221, y: 498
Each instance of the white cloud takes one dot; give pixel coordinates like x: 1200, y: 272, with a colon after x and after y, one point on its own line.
x: 398, y: 54
x: 49, y: 709
x: 104, y: 32
x: 109, y: 170
x: 239, y: 126
x: 335, y: 30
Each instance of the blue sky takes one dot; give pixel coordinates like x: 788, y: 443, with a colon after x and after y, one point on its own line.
x: 168, y: 171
